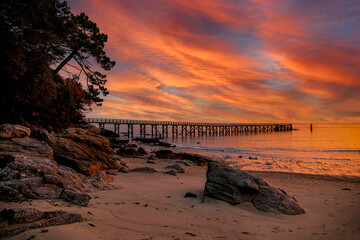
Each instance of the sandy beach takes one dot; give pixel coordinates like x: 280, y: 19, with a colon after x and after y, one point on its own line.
x: 152, y: 206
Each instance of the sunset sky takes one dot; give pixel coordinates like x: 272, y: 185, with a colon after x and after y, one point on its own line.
x: 230, y: 61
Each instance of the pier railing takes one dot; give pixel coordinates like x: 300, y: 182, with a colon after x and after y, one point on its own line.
x: 188, y: 128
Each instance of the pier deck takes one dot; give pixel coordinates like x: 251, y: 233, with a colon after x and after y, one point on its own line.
x: 161, y: 128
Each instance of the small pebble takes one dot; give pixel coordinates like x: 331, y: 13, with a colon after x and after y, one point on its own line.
x: 191, y: 234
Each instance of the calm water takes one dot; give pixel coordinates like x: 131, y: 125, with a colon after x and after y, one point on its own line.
x: 328, y: 149
x: 332, y: 149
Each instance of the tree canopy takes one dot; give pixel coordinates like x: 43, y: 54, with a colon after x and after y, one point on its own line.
x: 39, y: 39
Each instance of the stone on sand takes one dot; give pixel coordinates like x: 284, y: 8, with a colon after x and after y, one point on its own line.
x: 236, y: 186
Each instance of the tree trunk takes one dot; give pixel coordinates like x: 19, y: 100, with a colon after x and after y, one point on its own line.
x: 65, y: 61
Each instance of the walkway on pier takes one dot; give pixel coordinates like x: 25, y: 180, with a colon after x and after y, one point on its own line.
x: 161, y: 128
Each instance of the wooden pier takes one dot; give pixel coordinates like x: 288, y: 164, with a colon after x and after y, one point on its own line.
x: 161, y: 128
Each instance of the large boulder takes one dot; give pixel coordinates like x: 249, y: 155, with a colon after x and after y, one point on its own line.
x: 14, y: 131
x: 236, y: 186
x: 83, y: 151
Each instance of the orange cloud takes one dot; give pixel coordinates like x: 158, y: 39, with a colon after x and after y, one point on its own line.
x: 216, y: 60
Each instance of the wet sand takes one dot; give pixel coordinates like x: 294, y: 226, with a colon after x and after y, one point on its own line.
x: 152, y: 206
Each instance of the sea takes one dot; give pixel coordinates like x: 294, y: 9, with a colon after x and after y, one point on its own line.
x: 329, y: 149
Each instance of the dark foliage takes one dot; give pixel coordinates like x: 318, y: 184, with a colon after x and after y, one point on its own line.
x: 37, y: 36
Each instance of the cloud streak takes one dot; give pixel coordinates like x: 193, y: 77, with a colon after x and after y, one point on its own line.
x: 231, y: 61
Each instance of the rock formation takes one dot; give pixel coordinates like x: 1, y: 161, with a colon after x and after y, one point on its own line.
x: 35, y: 219
x: 28, y: 169
x: 13, y: 131
x: 83, y: 151
x: 236, y: 186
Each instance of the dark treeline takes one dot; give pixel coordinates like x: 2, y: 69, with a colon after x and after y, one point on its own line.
x: 40, y: 39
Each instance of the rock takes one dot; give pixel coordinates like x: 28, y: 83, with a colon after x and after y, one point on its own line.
x: 191, y: 234
x: 39, y: 178
x: 75, y: 197
x: 119, y: 141
x: 24, y: 146
x: 196, y: 158
x: 190, y: 195
x: 253, y: 158
x: 171, y: 172
x: 100, y: 176
x: 165, y: 144
x: 83, y: 151
x: 110, y: 172
x: 117, y: 162
x: 124, y: 169
x: 114, y: 145
x: 144, y: 170
x: 29, y: 171
x: 13, y: 131
x: 236, y: 186
x: 164, y: 154
x: 37, y: 219
x: 150, y: 161
x: 109, y: 134
x: 102, y: 181
x: 147, y: 140
x: 141, y: 151
x: 127, y: 152
x: 20, y: 215
x: 92, y: 129
x: 152, y: 157
x: 177, y: 168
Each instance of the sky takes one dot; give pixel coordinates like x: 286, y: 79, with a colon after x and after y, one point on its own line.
x: 230, y: 60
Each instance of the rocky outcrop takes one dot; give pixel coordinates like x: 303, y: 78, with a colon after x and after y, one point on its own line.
x: 13, y: 131
x: 236, y: 186
x: 35, y: 219
x: 42, y: 178
x: 25, y: 146
x: 28, y: 169
x: 20, y: 215
x: 83, y: 151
